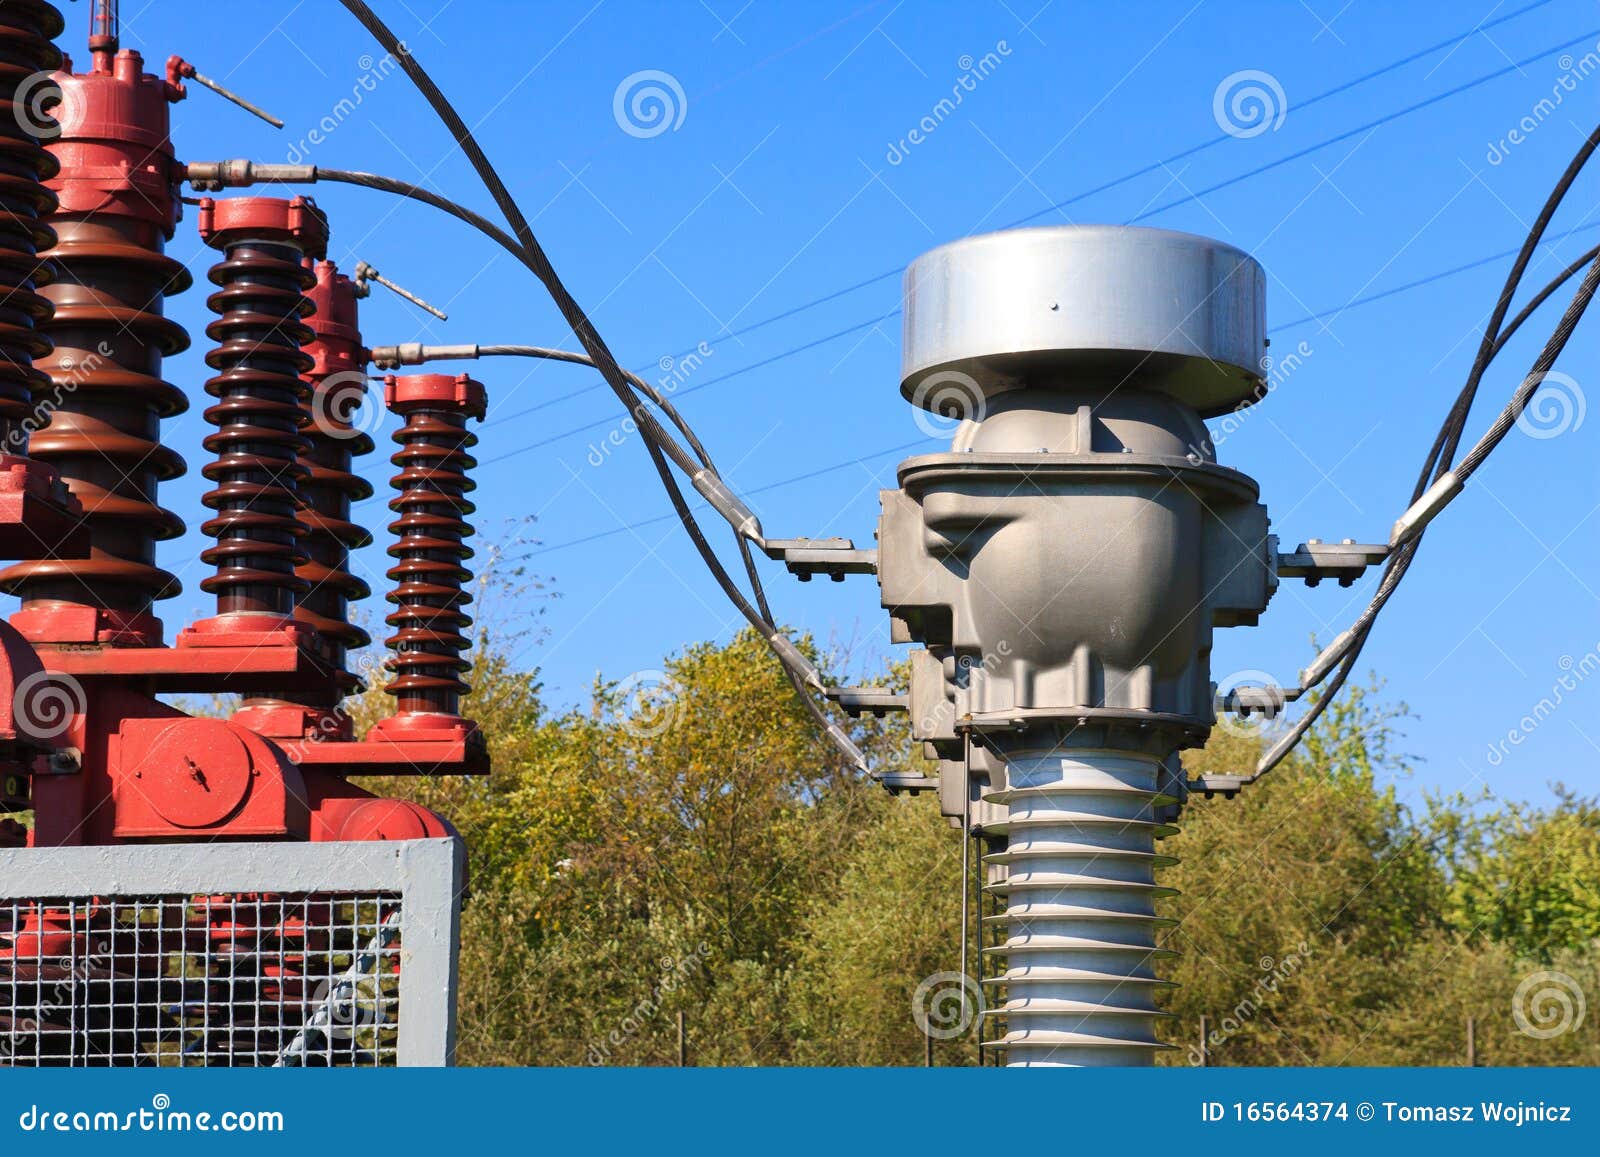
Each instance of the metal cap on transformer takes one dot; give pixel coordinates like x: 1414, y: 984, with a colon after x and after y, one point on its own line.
x: 1184, y: 315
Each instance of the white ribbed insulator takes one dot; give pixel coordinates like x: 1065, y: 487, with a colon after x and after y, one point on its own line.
x: 1080, y: 916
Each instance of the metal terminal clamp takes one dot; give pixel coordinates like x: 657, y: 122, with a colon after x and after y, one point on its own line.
x: 1315, y: 560
x: 834, y: 557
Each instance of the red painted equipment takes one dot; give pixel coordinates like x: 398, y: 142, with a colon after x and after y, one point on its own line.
x: 336, y: 392
x: 429, y: 618
x: 38, y: 515
x: 87, y: 745
x: 259, y: 392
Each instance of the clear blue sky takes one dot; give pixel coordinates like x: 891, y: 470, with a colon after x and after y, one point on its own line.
x: 778, y: 188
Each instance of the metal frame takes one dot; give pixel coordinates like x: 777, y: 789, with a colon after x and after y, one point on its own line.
x: 428, y: 875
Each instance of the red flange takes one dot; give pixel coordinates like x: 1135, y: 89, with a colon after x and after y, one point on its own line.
x: 410, y: 392
x: 235, y: 219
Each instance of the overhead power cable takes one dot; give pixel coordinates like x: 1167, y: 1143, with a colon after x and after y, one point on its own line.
x: 661, y: 447
x: 800, y: 670
x: 886, y: 451
x: 1440, y: 482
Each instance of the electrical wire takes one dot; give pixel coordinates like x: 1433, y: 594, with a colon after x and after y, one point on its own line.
x: 657, y: 441
x: 659, y: 445
x: 795, y: 351
x: 664, y: 404
x: 1511, y: 328
x: 1154, y: 167
x: 655, y: 438
x: 1441, y: 455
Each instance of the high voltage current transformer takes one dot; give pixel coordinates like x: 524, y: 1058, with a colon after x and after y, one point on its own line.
x: 1063, y: 566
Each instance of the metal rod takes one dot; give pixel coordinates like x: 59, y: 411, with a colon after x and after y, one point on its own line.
x: 202, y: 79
x: 1205, y: 1053
x: 365, y: 272
x: 683, y: 1042
x: 976, y: 940
x: 1472, y: 1042
x: 966, y: 877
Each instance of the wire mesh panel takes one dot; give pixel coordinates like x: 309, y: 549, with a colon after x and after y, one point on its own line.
x: 229, y: 954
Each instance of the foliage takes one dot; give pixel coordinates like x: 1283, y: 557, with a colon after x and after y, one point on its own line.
x: 686, y: 845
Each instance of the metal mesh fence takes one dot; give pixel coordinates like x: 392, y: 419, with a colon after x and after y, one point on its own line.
x: 158, y: 957
x: 239, y: 980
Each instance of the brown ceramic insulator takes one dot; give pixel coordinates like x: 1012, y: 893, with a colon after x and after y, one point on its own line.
x: 429, y: 618
x: 258, y: 415
x: 339, y: 397
x: 26, y: 55
x: 97, y: 421
x: 105, y: 401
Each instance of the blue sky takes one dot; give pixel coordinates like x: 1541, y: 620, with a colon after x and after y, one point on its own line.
x: 787, y: 187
